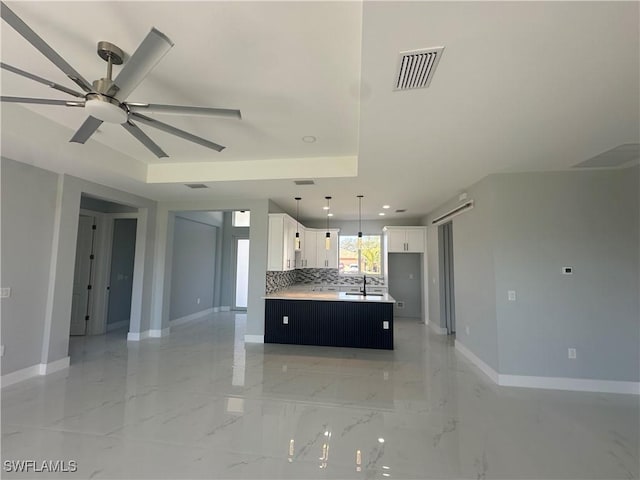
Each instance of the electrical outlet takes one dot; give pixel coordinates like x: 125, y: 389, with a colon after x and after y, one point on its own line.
x: 411, y: 276
x: 400, y: 304
x: 385, y: 324
x: 567, y: 270
x: 511, y: 295
x: 572, y: 353
x: 198, y: 300
x: 5, y: 292
x: 285, y: 320
x: 466, y: 329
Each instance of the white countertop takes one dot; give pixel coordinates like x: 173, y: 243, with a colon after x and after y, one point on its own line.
x: 298, y: 293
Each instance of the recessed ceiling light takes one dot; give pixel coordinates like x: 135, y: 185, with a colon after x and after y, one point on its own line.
x: 309, y: 139
x: 386, y: 206
x: 329, y: 214
x: 381, y: 440
x: 382, y: 214
x: 326, y: 207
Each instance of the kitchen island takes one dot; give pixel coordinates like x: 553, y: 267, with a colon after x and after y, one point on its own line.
x: 340, y: 319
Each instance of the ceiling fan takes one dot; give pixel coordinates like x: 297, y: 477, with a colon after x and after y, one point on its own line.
x: 105, y: 99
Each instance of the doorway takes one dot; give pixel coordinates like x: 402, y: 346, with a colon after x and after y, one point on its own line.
x: 83, y: 275
x: 447, y: 291
x: 241, y: 274
x: 121, y: 273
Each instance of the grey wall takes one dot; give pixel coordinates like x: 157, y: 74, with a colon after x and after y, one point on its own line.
x: 433, y: 275
x: 257, y: 256
x: 56, y: 255
x: 523, y: 229
x: 121, y: 273
x: 587, y: 220
x: 193, y: 273
x: 27, y: 210
x: 474, y: 275
x: 97, y: 205
x: 405, y: 280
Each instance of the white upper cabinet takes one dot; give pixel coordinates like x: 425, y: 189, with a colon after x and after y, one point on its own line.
x: 281, y: 248
x: 405, y: 239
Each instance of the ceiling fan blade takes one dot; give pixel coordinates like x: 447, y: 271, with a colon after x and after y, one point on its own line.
x: 89, y: 126
x: 44, y: 81
x: 144, y: 139
x: 176, y: 131
x: 43, y: 101
x: 32, y: 37
x: 184, y: 110
x: 155, y: 46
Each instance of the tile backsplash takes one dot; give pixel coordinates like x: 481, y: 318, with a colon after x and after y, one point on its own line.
x: 314, y: 276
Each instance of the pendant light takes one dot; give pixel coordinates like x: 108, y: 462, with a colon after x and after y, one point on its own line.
x: 360, y: 221
x: 297, y: 240
x: 327, y: 240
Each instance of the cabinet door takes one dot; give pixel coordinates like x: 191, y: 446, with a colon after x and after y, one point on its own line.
x: 397, y: 240
x: 275, y: 246
x: 289, y: 245
x: 299, y: 254
x: 415, y: 240
x: 310, y: 249
x: 321, y: 258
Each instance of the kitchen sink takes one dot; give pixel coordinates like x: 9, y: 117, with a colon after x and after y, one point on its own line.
x: 367, y: 295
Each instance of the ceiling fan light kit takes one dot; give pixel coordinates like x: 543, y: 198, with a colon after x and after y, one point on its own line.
x: 105, y: 99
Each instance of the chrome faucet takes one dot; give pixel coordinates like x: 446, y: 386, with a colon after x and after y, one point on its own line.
x: 364, y: 286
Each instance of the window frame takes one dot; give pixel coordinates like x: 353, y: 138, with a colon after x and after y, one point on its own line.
x: 341, y: 273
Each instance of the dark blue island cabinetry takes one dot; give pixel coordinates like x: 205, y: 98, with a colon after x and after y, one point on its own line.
x: 339, y: 323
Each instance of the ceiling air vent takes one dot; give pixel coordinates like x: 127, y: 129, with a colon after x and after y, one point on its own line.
x: 401, y: 210
x: 195, y: 185
x: 304, y: 182
x: 416, y: 68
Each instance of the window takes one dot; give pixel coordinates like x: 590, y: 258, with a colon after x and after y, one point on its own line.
x: 366, y: 261
x: 241, y: 218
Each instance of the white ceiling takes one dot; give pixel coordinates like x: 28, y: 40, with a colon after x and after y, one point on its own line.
x: 521, y: 86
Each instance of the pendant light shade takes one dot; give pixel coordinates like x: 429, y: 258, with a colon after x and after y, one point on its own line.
x: 327, y: 240
x: 297, y: 244
x: 360, y: 221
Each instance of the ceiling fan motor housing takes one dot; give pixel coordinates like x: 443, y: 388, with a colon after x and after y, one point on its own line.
x: 106, y: 108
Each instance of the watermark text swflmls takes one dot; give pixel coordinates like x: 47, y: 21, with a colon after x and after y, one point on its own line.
x: 40, y: 466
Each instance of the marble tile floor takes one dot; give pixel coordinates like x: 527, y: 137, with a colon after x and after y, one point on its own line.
x: 202, y: 404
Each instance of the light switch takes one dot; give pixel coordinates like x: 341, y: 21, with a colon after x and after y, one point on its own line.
x: 385, y: 324
x: 285, y: 320
x: 5, y: 292
x: 511, y: 295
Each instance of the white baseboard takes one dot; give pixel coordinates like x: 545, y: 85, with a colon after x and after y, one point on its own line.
x: 193, y: 316
x: 20, y: 375
x: 159, y: 333
x: 573, y: 384
x: 55, y: 366
x: 438, y: 329
x: 117, y: 325
x: 486, y: 369
x: 254, y: 339
x: 225, y: 309
x: 550, y: 383
x: 137, y: 336
x: 34, y: 371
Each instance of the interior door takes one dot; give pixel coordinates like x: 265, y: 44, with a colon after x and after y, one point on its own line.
x: 123, y: 252
x: 80, y: 300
